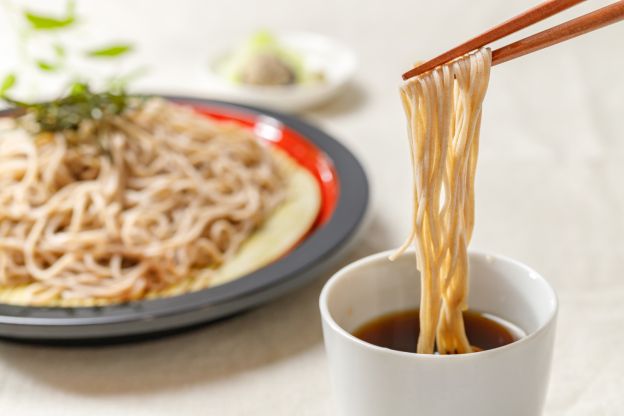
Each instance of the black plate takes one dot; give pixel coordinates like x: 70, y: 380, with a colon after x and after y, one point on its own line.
x: 142, y: 318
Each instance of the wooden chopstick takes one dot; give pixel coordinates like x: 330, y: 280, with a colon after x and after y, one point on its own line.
x: 523, y: 20
x: 588, y: 22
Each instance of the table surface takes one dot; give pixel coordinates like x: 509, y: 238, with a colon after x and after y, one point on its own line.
x: 549, y: 193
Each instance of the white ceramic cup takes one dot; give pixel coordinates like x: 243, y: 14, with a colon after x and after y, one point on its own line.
x: 368, y: 380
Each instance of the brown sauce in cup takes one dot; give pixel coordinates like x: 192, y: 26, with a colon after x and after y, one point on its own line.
x: 399, y: 331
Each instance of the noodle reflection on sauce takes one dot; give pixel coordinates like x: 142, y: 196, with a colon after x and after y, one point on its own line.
x: 132, y: 204
x: 443, y: 110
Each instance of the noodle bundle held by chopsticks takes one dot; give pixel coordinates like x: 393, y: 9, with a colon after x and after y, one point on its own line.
x: 443, y: 110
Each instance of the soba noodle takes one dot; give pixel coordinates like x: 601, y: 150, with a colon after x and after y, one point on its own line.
x: 138, y: 203
x: 443, y: 109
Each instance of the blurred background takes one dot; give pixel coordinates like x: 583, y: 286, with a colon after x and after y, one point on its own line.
x: 549, y: 193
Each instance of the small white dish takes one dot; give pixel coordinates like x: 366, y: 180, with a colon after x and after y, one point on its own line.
x: 368, y: 380
x: 319, y: 53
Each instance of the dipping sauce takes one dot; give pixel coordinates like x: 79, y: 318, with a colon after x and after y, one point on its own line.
x: 399, y: 331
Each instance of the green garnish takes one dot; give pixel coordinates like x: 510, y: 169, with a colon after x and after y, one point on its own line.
x: 7, y: 83
x: 59, y: 50
x: 111, y: 51
x: 46, y: 66
x: 68, y: 112
x: 43, y: 22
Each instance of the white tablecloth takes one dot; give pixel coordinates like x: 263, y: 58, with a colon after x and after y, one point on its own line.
x: 549, y: 192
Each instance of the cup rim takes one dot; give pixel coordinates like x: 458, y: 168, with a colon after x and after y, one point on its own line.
x: 328, y: 318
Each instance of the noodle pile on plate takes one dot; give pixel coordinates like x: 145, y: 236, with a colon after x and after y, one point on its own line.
x: 443, y: 109
x: 130, y: 206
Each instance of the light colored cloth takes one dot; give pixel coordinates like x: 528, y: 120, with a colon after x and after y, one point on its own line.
x: 549, y: 192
